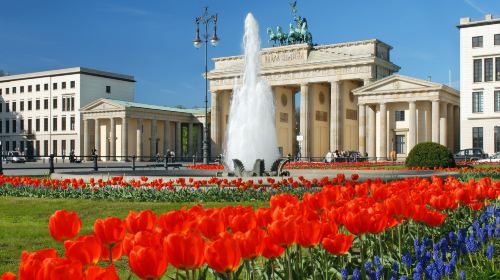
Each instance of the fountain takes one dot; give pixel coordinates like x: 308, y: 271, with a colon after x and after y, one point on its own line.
x: 251, y: 133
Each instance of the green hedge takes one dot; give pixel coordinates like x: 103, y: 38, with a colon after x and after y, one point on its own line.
x: 430, y: 154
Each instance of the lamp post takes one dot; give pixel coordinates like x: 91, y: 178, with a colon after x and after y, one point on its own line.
x: 206, y: 19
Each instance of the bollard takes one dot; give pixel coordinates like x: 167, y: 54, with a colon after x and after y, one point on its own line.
x: 1, y: 161
x: 51, y: 164
x: 133, y: 162
x: 166, y: 162
x: 96, y: 168
x: 194, y: 159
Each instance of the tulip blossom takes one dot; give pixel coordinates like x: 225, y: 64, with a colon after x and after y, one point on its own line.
x: 99, y: 273
x: 110, y: 231
x: 337, y: 244
x: 148, y: 262
x: 223, y: 255
x: 86, y: 249
x: 144, y: 220
x: 185, y: 250
x: 64, y: 225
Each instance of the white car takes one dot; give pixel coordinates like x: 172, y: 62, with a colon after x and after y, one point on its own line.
x: 492, y: 158
x: 15, y: 157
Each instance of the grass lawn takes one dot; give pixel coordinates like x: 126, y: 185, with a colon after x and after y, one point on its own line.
x: 23, y: 222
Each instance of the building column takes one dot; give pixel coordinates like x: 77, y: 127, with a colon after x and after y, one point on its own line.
x: 154, y: 135
x: 190, y: 140
x: 305, y: 119
x: 435, y: 121
x: 215, y: 116
x: 178, y: 139
x: 370, y: 143
x: 112, y: 137
x: 362, y: 129
x: 412, y: 131
x: 383, y: 131
x: 443, y: 124
x: 139, y: 139
x: 124, y: 139
x: 199, y: 146
x: 456, y: 127
x: 97, y: 142
x: 449, y: 131
x: 166, y: 127
x: 86, y: 138
x: 335, y: 116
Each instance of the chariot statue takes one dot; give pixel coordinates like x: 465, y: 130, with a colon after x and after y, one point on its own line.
x: 298, y: 33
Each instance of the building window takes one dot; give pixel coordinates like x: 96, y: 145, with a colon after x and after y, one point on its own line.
x: 46, y: 104
x: 54, y: 147
x: 21, y: 125
x: 477, y: 137
x: 71, y: 123
x: 478, y: 65
x: 477, y: 102
x: 108, y: 89
x: 63, y: 85
x: 488, y: 69
x: 46, y: 87
x: 63, y: 123
x: 7, y: 126
x: 7, y: 107
x: 14, y: 90
x: 45, y: 124
x: 1, y: 107
x: 37, y: 104
x: 14, y: 126
x: 72, y: 145
x: 7, y: 146
x: 400, y: 144
x: 496, y: 100
x: 30, y: 125
x: 54, y: 86
x: 497, y: 139
x: 37, y: 148
x: 1, y: 126
x: 54, y: 103
x: 54, y: 124
x: 68, y: 103
x: 496, y: 40
x: 399, y: 115
x: 30, y: 88
x: 21, y: 89
x: 0, y: 91
x: 72, y: 84
x: 63, y: 147
x: 14, y: 107
x: 29, y: 105
x: 497, y: 68
x: 21, y: 105
x: 7, y: 90
x: 477, y: 42
x: 37, y: 124
x: 37, y: 87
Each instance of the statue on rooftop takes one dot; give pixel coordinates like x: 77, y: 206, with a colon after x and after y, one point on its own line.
x: 298, y: 32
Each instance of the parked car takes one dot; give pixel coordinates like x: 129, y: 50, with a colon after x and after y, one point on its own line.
x: 492, y: 158
x: 15, y: 157
x: 473, y: 154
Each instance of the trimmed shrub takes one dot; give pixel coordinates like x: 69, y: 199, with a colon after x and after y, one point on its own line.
x: 430, y: 155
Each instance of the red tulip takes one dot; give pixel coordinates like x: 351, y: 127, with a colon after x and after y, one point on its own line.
x: 337, y: 244
x: 86, y: 249
x: 110, y: 230
x: 309, y: 233
x: 185, y: 250
x: 144, y: 220
x: 148, y: 262
x: 251, y: 243
x: 211, y: 226
x: 116, y: 250
x: 32, y: 262
x: 143, y: 238
x: 64, y: 225
x: 8, y: 276
x: 99, y: 273
x: 243, y: 222
x: 223, y: 255
x: 283, y: 232
x: 173, y: 221
x: 59, y: 269
x: 272, y: 250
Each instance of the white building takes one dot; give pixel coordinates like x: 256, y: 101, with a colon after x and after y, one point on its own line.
x: 39, y: 112
x: 480, y: 83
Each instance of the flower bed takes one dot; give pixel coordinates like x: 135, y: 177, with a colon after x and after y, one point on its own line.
x: 326, y: 235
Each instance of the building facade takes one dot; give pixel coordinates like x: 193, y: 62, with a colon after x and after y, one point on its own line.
x: 39, y: 112
x: 324, y: 76
x: 398, y: 112
x: 119, y: 129
x: 480, y: 83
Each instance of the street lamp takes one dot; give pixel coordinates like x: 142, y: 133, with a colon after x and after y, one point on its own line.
x: 206, y: 19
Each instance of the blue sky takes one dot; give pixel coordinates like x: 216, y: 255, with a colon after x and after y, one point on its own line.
x: 152, y: 39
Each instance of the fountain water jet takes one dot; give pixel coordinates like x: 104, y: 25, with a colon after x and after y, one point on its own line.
x: 251, y: 132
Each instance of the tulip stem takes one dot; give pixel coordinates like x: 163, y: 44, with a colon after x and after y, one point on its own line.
x: 287, y: 253
x: 177, y: 274
x: 110, y: 254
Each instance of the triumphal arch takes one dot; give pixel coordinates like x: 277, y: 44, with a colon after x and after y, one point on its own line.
x: 324, y: 76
